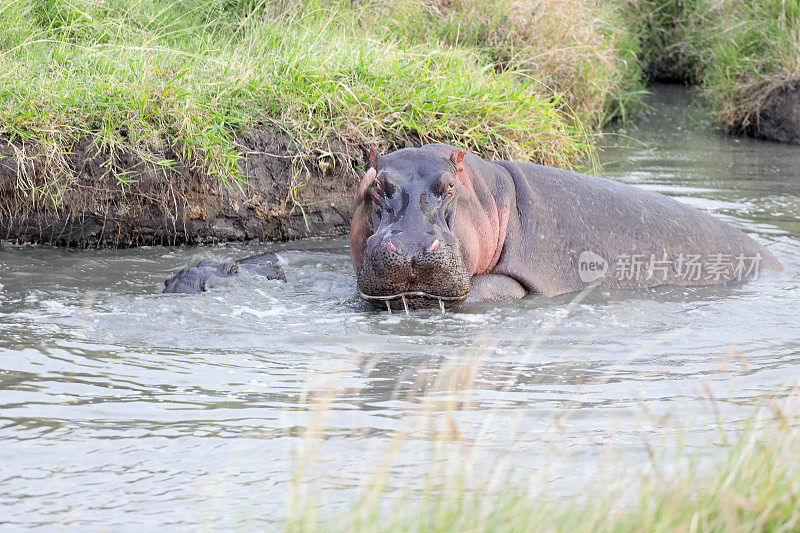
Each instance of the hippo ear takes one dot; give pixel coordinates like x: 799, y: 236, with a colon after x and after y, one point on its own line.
x: 457, y: 157
x: 230, y: 269
x: 373, y: 158
x: 369, y: 177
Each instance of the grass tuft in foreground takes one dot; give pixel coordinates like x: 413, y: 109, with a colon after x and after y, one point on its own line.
x: 751, y: 484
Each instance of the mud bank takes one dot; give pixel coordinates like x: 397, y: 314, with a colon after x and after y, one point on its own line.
x: 779, y: 116
x: 119, y: 197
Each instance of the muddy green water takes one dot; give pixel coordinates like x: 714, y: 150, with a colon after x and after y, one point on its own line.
x: 124, y: 409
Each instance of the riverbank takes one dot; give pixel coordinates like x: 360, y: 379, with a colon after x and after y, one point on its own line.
x: 154, y: 122
x: 118, y: 196
x: 744, y: 55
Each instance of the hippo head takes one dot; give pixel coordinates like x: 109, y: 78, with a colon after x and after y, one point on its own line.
x: 402, y: 240
x: 192, y: 280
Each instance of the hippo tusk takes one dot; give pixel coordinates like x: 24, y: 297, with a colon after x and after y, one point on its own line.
x: 413, y: 293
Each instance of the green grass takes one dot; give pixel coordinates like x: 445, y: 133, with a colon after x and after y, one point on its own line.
x: 661, y: 27
x: 753, y: 47
x: 173, y: 82
x: 181, y: 78
x: 738, y: 51
x: 579, y: 49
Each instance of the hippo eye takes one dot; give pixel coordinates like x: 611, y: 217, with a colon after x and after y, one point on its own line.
x: 379, y: 193
x: 375, y: 188
x: 451, y: 185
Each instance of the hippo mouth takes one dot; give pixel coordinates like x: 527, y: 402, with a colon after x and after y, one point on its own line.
x: 413, y: 299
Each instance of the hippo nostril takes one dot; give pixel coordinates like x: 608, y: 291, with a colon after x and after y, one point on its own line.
x: 391, y: 247
x: 434, y: 246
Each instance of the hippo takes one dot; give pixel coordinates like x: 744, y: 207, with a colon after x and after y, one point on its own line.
x: 437, y: 225
x: 192, y: 280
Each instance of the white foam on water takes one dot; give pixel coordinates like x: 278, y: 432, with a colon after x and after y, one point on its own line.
x: 261, y: 313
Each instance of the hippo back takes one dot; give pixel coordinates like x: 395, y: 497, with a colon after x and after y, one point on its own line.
x: 571, y: 230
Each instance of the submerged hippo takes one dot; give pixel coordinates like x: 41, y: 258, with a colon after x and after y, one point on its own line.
x: 436, y: 225
x: 192, y: 280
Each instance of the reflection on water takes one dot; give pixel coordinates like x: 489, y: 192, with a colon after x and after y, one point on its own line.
x: 123, y: 407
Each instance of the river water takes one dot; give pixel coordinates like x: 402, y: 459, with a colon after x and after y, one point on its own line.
x: 121, y: 408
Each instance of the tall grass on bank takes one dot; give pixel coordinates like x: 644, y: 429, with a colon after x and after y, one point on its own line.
x: 511, y: 79
x: 750, y: 48
x: 752, y: 484
x: 182, y: 77
x: 580, y: 49
x: 739, y: 51
x: 661, y: 27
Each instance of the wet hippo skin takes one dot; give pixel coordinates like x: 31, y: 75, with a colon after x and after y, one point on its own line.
x: 192, y: 280
x: 436, y: 225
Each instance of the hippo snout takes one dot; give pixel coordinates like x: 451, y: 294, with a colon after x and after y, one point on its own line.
x: 428, y: 266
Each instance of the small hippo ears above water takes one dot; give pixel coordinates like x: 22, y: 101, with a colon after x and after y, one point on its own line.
x: 193, y: 280
x: 229, y: 269
x: 457, y: 157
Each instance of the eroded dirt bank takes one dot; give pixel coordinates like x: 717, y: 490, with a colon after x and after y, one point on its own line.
x: 292, y: 191
x: 779, y: 116
x: 122, y: 197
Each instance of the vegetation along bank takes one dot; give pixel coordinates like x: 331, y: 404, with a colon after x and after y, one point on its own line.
x: 147, y: 122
